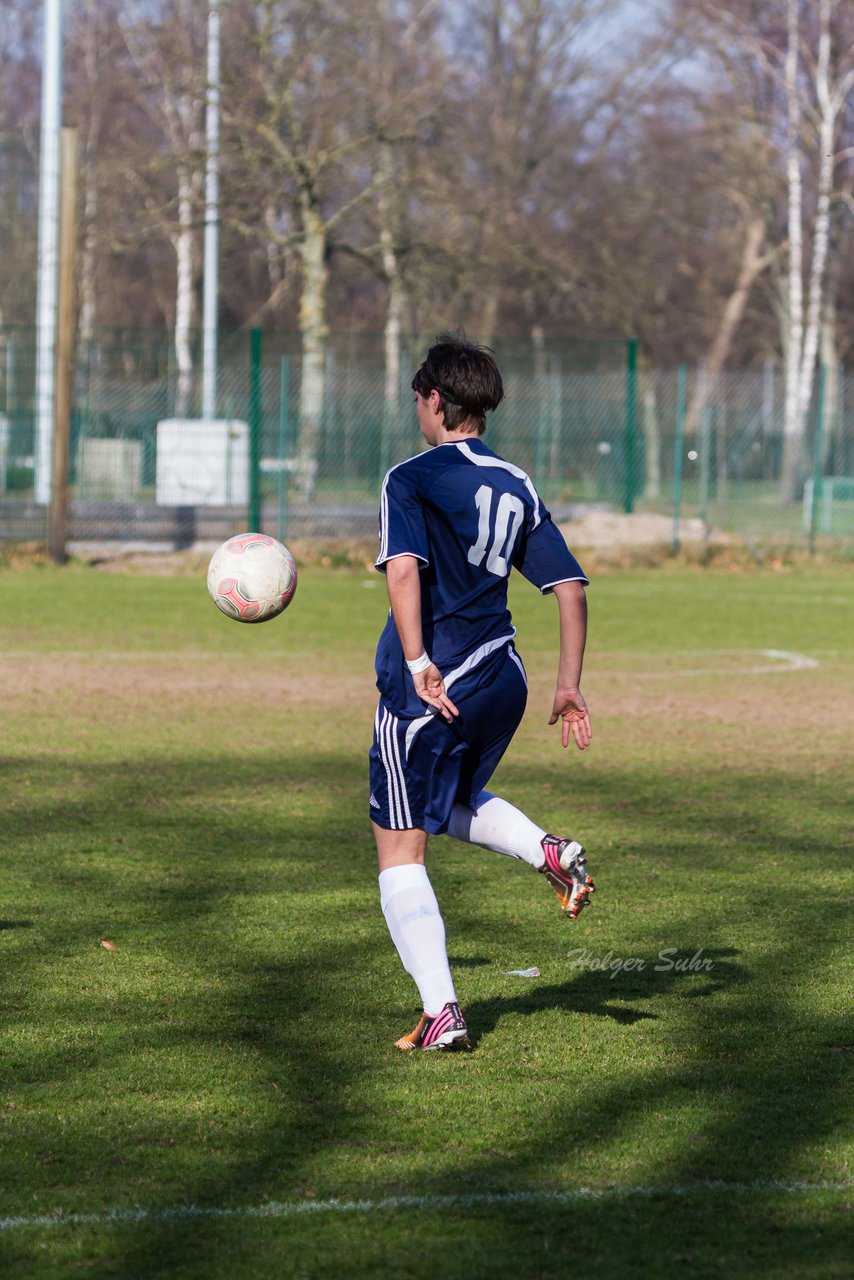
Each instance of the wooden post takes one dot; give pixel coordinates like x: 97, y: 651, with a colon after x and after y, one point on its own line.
x: 58, y: 513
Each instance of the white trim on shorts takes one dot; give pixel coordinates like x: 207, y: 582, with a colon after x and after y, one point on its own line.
x: 388, y: 746
x: 477, y: 656
x: 473, y: 660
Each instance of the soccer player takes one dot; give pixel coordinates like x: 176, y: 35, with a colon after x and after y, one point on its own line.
x: 453, y: 521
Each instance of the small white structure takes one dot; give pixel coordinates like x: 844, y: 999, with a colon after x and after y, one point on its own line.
x: 109, y: 469
x: 202, y: 462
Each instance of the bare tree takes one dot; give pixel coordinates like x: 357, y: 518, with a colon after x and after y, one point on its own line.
x: 298, y: 120
x: 819, y: 82
x: 804, y: 55
x: 19, y: 115
x: 168, y: 49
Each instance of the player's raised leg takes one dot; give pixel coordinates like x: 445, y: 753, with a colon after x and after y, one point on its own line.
x: 497, y: 825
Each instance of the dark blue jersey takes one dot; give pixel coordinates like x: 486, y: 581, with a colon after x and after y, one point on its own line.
x: 468, y: 517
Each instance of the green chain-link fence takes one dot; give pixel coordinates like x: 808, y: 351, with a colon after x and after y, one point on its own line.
x: 592, y: 429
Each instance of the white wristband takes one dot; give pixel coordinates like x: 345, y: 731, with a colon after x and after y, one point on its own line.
x: 418, y: 664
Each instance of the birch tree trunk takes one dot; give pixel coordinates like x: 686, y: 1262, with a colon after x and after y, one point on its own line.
x: 831, y: 98
x: 826, y: 139
x: 178, y: 111
x: 652, y: 440
x: 489, y: 311
x: 829, y: 359
x: 792, y: 432
x: 183, y: 242
x: 88, y: 257
x: 752, y: 264
x: 391, y: 270
x: 313, y: 330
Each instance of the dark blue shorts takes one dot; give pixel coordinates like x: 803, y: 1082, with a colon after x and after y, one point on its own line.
x: 421, y: 766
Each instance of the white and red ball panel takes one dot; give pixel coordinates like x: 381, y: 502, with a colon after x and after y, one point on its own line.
x: 252, y: 578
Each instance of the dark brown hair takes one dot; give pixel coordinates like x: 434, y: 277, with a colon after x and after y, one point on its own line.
x: 466, y: 377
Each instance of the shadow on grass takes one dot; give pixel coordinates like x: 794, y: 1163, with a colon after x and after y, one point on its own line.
x: 752, y: 1089
x: 594, y: 994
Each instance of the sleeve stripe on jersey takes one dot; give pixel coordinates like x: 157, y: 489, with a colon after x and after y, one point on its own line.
x: 506, y: 466
x: 383, y: 555
x: 383, y: 521
x: 579, y: 577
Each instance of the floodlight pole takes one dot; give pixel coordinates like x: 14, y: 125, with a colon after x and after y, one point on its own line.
x: 211, y: 266
x: 46, y: 300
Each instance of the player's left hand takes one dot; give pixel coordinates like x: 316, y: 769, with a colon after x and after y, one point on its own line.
x: 571, y: 708
x: 430, y: 687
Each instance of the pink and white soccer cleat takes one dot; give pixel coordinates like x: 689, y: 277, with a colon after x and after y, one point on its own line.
x: 445, y: 1030
x: 565, y: 868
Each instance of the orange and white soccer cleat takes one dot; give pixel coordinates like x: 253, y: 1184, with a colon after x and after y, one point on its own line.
x: 444, y: 1030
x: 565, y: 868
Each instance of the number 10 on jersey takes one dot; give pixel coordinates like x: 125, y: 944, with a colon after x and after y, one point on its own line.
x: 496, y: 543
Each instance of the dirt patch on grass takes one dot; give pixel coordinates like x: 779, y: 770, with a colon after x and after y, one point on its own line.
x: 609, y: 529
x: 629, y: 702
x: 109, y: 684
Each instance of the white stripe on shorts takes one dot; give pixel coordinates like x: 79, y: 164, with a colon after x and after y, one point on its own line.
x: 389, y: 749
x: 511, y: 653
x: 415, y: 728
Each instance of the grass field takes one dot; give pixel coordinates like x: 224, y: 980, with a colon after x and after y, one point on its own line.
x: 218, y: 1097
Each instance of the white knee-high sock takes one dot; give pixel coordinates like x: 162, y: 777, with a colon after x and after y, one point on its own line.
x: 418, y: 932
x: 498, y: 826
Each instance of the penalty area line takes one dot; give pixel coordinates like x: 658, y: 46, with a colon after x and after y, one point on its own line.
x: 778, y: 661
x: 428, y: 1203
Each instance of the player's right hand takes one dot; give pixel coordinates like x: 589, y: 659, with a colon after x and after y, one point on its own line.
x: 430, y: 687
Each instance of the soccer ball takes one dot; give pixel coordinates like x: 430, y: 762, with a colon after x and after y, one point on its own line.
x: 252, y: 578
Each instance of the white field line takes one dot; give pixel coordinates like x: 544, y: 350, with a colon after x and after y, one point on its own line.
x: 781, y: 660
x: 789, y: 597
x: 429, y: 1204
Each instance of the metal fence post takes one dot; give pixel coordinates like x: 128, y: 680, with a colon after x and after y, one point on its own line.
x: 631, y: 423
x: 677, y: 455
x: 254, y: 513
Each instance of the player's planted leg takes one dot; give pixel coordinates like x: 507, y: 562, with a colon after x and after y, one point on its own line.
x: 418, y: 933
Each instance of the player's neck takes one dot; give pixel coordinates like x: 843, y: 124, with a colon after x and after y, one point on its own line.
x: 456, y: 436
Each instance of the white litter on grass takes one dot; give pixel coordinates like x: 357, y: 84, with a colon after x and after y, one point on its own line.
x: 435, y: 1204
x: 523, y: 973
